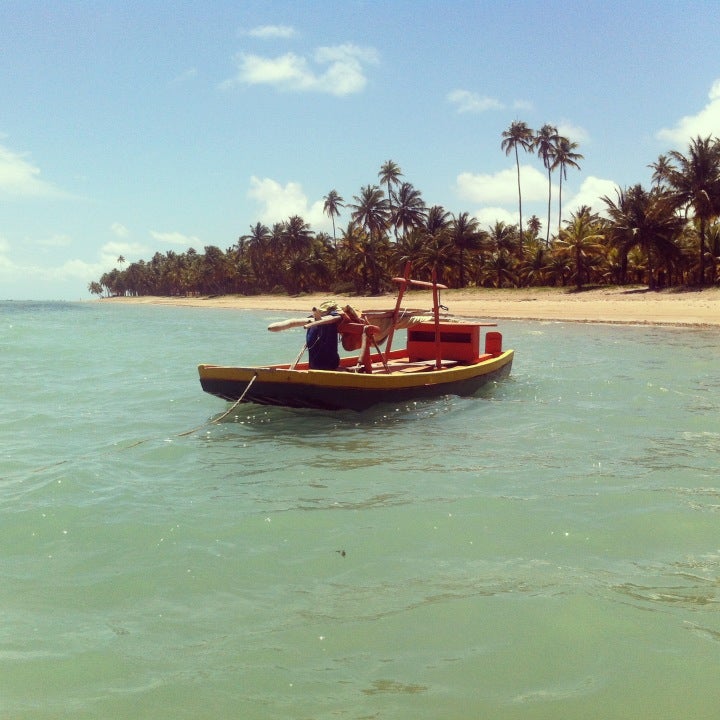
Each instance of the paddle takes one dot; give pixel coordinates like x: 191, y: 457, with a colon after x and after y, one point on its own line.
x: 287, y: 324
x: 304, y: 322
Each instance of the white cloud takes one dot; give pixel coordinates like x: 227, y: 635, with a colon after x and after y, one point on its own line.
x: 176, y: 238
x: 488, y: 216
x: 344, y: 73
x: 272, y: 32
x: 70, y: 270
x: 75, y: 270
x: 277, y: 203
x: 705, y: 122
x: 27, y: 279
x: 119, y: 230
x: 112, y: 250
x: 572, y: 132
x: 501, y: 187
x: 19, y: 178
x: 590, y: 193
x: 470, y: 102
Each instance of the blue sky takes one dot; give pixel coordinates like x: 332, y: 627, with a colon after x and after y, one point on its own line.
x: 128, y: 128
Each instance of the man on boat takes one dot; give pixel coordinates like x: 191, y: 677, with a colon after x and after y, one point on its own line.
x: 322, y: 337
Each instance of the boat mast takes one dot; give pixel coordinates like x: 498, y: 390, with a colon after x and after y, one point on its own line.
x: 436, y: 313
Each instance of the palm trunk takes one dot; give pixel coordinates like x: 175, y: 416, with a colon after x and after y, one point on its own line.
x: 560, y: 202
x: 517, y: 163
x: 702, y: 252
x: 547, y: 235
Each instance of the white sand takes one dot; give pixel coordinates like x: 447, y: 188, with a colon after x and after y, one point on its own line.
x: 605, y: 305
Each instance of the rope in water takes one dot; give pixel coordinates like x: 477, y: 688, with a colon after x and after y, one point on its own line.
x: 216, y: 420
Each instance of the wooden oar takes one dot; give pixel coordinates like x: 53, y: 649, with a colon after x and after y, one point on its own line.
x: 324, y: 320
x: 287, y: 324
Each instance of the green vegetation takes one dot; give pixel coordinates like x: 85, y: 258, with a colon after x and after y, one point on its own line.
x: 668, y: 235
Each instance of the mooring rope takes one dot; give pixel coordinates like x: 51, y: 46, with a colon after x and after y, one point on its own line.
x: 216, y: 420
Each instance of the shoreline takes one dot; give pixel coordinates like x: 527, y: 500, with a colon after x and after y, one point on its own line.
x: 633, y: 306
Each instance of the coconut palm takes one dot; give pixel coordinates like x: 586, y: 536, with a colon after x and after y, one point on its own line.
x: 518, y: 135
x: 545, y: 142
x: 331, y: 207
x: 257, y: 242
x: 390, y: 174
x: 565, y: 157
x: 646, y: 220
x: 581, y: 242
x: 694, y: 180
x: 466, y: 237
x: 498, y: 270
x: 534, y: 224
x: 298, y: 235
x: 410, y: 211
x: 371, y: 211
x: 409, y: 248
x: 505, y: 238
x: 351, y: 265
x: 534, y: 265
x: 660, y: 169
x: 438, y: 220
x: 437, y: 254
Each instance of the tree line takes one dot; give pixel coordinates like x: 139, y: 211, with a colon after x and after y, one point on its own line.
x: 664, y: 235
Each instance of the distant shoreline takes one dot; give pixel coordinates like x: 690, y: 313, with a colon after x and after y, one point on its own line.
x: 600, y: 305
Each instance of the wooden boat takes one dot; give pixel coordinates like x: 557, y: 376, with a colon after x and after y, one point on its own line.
x: 441, y: 356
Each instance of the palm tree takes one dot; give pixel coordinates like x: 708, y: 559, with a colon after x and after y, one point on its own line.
x: 534, y: 225
x: 257, y: 243
x: 519, y: 134
x: 534, y: 265
x: 333, y: 203
x: 498, y: 271
x: 438, y: 220
x: 505, y: 238
x: 390, y: 174
x: 351, y: 265
x: 580, y: 241
x: 695, y: 183
x: 565, y: 157
x: 298, y: 237
x: 546, y: 140
x: 437, y: 254
x: 410, y: 211
x: 645, y: 220
x: 465, y: 236
x: 660, y: 169
x: 371, y: 211
x: 409, y: 248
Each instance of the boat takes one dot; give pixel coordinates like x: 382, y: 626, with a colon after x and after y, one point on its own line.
x: 442, y: 356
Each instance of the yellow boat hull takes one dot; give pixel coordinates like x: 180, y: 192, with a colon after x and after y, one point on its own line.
x: 343, y: 389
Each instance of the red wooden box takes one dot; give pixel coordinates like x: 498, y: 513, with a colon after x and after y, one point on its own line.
x: 458, y: 341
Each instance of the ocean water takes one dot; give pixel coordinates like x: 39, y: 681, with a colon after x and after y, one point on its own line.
x: 548, y: 549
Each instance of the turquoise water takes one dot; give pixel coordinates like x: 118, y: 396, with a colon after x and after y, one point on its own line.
x: 550, y: 549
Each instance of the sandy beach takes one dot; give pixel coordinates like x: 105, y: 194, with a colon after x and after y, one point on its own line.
x: 603, y: 305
